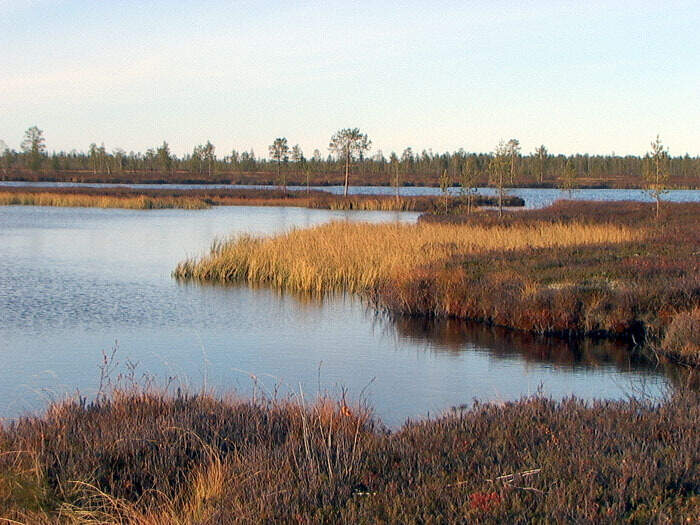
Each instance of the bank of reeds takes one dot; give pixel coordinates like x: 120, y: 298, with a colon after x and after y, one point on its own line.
x: 429, y: 204
x: 154, y: 458
x: 575, y: 269
x: 363, y: 258
x: 141, y: 202
x: 120, y: 197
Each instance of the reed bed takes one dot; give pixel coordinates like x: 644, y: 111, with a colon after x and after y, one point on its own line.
x: 121, y: 197
x: 430, y: 204
x: 360, y: 258
x: 140, y: 202
x: 574, y: 269
x: 151, y: 457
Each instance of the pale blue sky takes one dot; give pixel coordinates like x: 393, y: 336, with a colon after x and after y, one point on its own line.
x: 577, y: 76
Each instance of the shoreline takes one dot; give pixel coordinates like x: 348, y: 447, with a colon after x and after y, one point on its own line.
x: 319, y: 179
x: 121, y: 197
x: 574, y: 269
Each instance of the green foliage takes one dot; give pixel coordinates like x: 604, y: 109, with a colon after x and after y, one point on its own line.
x: 346, y: 144
x: 468, y: 179
x: 34, y: 147
x: 164, y: 159
x: 395, y: 174
x: 513, y: 148
x: 445, y: 187
x: 567, y: 180
x: 542, y: 157
x: 499, y: 167
x: 279, y: 152
x: 656, y: 172
x: 417, y: 168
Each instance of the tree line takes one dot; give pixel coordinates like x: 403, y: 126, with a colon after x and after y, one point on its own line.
x: 347, y: 155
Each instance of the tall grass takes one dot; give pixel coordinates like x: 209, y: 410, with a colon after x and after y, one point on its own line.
x: 141, y: 202
x: 572, y: 269
x: 431, y: 204
x: 362, y: 257
x: 119, y: 197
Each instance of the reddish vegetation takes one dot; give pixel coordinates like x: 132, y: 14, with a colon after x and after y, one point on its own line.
x: 633, y: 290
x: 152, y: 458
x: 683, y: 336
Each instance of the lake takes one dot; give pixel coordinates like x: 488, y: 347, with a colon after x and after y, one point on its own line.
x: 533, y: 197
x: 75, y: 282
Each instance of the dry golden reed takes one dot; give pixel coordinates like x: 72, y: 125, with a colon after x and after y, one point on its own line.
x: 360, y: 257
x: 141, y: 202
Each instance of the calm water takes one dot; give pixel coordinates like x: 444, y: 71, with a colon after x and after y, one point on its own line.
x: 533, y: 197
x: 73, y: 281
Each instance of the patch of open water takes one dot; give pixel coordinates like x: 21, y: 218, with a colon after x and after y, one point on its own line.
x: 73, y: 281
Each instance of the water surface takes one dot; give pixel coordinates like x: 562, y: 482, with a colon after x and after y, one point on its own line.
x: 73, y: 281
x: 533, y: 197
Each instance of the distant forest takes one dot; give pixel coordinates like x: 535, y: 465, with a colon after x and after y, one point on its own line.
x: 206, y: 164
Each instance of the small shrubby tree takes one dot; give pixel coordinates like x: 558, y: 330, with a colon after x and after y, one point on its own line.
x: 196, y: 159
x: 279, y: 152
x: 445, y: 186
x: 395, y: 174
x: 498, y: 170
x: 567, y: 180
x: 514, y: 154
x: 209, y: 156
x: 298, y: 158
x: 5, y: 158
x: 164, y: 158
x: 34, y: 147
x: 542, y: 157
x: 347, y: 143
x: 307, y: 175
x: 468, y: 179
x: 119, y: 156
x: 150, y: 158
x: 92, y: 153
x: 656, y: 172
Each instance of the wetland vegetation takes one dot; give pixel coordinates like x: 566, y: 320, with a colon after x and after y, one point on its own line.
x: 192, y: 199
x: 572, y: 269
x: 627, y: 270
x: 152, y: 457
x: 222, y: 302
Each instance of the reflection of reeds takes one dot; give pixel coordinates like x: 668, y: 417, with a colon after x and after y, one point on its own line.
x: 150, y: 458
x: 573, y: 269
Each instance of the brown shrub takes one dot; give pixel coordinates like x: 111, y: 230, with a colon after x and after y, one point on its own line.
x: 156, y: 458
x: 682, y: 338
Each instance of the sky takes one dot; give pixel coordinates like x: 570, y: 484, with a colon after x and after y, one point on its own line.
x: 594, y: 76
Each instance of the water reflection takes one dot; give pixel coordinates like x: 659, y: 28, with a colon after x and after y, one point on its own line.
x: 455, y: 337
x: 72, y: 281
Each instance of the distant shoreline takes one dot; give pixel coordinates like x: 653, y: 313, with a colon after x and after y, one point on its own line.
x: 121, y: 197
x: 323, y: 179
